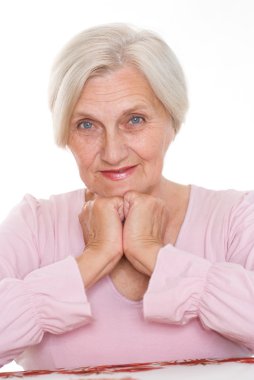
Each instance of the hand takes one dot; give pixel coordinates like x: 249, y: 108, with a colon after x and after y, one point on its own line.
x: 101, y: 222
x: 146, y: 219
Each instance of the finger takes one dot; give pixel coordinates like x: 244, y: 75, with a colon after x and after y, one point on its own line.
x: 129, y: 199
x: 118, y: 205
x: 131, y: 195
x: 126, y: 207
x: 120, y: 211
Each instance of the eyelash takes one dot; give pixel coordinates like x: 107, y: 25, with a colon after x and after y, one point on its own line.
x: 137, y: 117
x: 130, y: 123
x: 84, y: 122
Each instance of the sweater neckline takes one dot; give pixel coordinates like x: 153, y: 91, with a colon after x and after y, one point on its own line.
x: 179, y: 237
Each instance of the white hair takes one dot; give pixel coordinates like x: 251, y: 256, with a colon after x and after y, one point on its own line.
x: 106, y: 48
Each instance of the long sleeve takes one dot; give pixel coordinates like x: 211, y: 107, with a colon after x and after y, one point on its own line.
x: 219, y: 290
x: 35, y: 299
x: 43, y: 302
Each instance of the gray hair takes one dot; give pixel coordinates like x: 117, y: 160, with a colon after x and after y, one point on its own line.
x: 106, y: 48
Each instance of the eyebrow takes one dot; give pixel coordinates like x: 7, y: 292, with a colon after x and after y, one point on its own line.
x: 135, y: 109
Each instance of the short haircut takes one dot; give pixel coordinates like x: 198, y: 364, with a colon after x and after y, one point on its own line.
x: 110, y: 47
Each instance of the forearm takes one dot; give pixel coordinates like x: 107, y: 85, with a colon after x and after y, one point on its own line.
x: 43, y: 301
x: 94, y: 263
x: 144, y: 258
x: 185, y: 286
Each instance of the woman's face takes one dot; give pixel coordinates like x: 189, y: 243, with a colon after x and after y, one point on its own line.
x: 119, y: 134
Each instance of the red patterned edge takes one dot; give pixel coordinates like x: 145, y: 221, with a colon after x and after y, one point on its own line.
x: 136, y: 367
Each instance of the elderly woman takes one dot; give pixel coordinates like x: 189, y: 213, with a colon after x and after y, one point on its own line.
x: 134, y: 267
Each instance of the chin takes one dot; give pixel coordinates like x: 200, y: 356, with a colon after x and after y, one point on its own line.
x: 121, y: 190
x: 115, y: 192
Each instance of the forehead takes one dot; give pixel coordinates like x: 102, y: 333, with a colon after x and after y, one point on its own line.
x: 126, y: 83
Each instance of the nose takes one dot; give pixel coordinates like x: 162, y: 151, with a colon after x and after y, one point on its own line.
x: 114, y: 149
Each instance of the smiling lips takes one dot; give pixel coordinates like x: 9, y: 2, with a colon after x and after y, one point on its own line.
x: 119, y: 174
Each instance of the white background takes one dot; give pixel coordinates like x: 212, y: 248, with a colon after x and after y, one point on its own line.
x: 214, y: 41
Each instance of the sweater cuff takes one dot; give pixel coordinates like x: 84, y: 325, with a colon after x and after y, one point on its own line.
x: 175, y: 287
x: 58, y: 296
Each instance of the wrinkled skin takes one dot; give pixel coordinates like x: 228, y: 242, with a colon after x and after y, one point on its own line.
x: 118, y: 122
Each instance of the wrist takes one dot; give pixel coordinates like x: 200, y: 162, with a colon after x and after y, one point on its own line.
x: 144, y: 259
x: 95, y: 262
x: 83, y: 264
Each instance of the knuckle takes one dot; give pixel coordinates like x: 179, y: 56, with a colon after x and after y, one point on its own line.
x: 98, y: 204
x: 87, y: 206
x: 86, y: 209
x: 118, y: 199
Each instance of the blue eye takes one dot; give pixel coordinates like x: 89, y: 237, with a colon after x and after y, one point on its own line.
x: 85, y: 124
x: 135, y: 120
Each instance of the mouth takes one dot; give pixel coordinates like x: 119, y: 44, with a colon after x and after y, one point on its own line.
x: 119, y: 174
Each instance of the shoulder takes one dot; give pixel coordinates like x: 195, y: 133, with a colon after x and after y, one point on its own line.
x: 33, y: 211
x: 61, y: 201
x: 223, y: 200
x: 49, y: 227
x: 230, y: 210
x: 225, y: 221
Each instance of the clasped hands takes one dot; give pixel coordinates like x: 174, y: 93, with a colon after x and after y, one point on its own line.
x: 133, y: 225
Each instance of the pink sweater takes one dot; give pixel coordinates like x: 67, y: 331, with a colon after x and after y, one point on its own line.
x: 199, y: 304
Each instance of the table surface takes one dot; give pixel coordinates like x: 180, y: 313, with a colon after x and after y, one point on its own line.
x: 233, y: 368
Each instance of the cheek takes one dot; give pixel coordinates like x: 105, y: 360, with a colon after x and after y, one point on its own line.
x: 84, y: 153
x: 153, y: 146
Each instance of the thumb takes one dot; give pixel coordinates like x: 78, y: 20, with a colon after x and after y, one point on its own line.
x: 118, y: 204
x: 128, y: 201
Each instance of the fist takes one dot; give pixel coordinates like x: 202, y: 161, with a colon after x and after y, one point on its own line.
x: 146, y: 220
x: 101, y: 221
